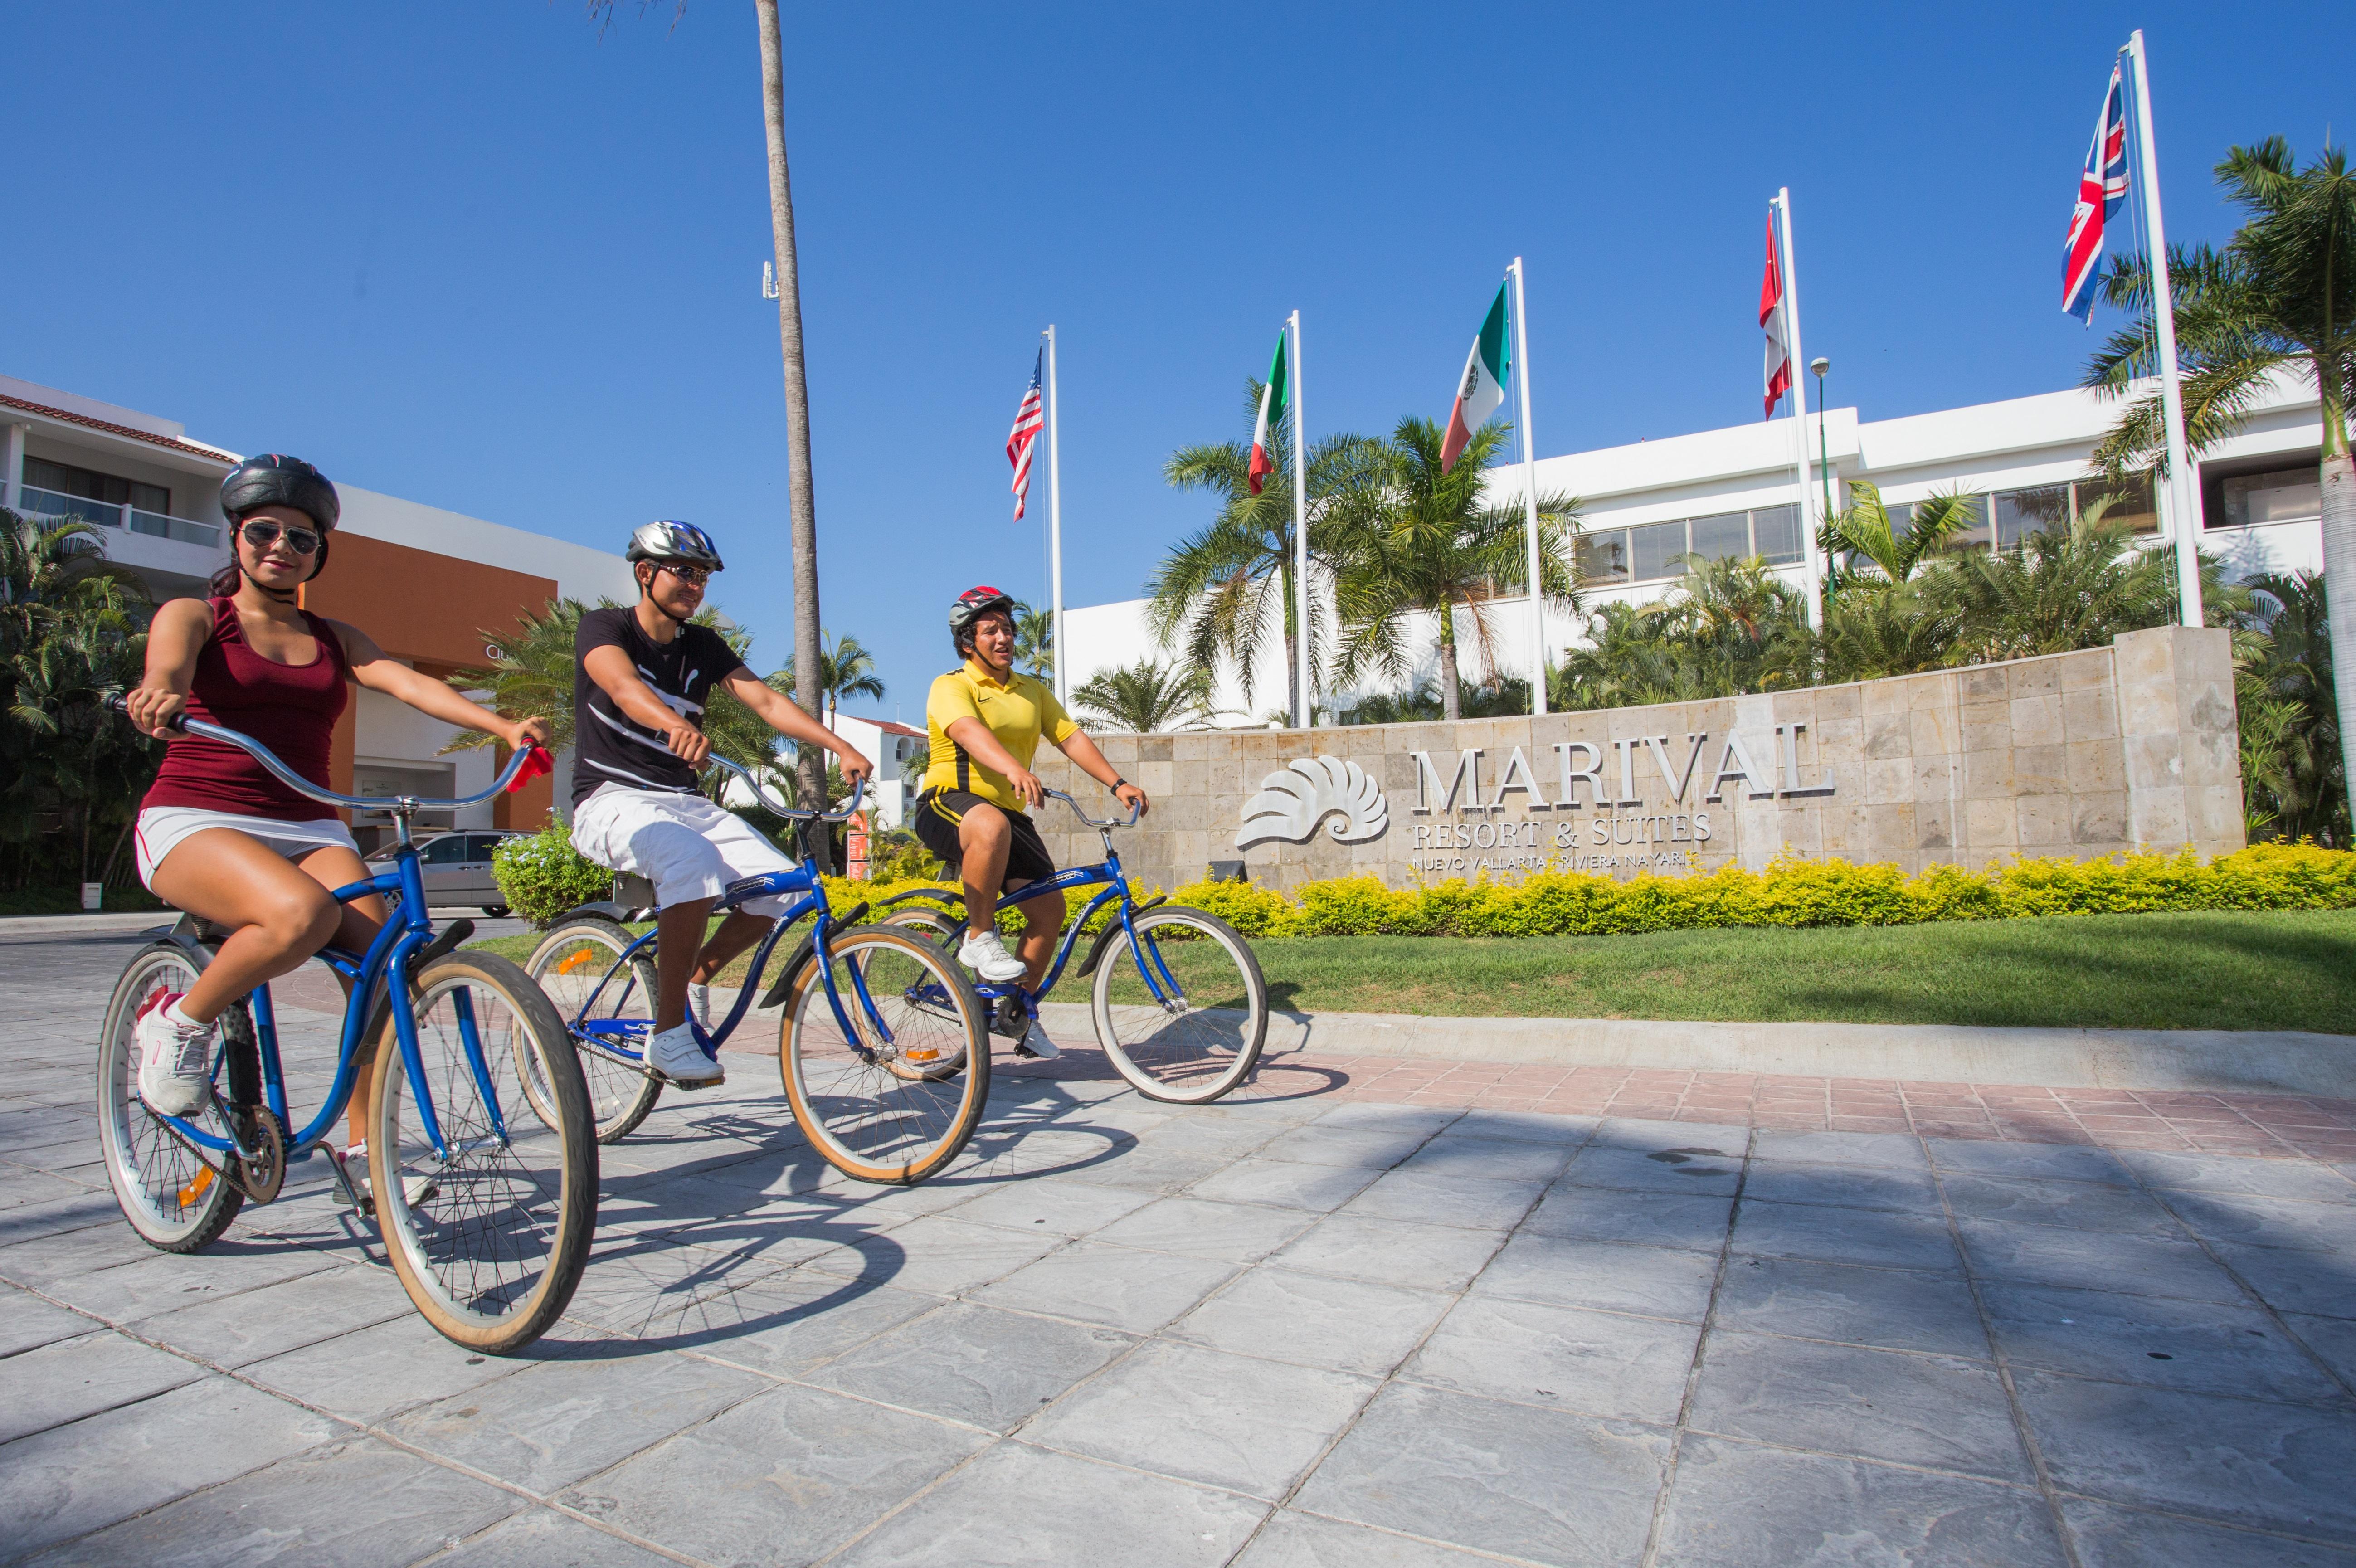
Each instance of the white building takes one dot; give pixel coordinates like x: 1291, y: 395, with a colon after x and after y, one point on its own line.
x: 1731, y: 493
x: 424, y: 582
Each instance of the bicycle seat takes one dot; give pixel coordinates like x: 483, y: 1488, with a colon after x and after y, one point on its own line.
x: 197, y: 925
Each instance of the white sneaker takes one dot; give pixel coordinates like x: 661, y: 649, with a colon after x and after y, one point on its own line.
x: 983, y: 954
x: 1036, y: 1044
x: 675, y: 1054
x: 699, y: 1001
x: 175, y: 1056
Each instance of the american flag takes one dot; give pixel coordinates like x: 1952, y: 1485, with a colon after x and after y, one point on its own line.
x: 2101, y: 186
x: 1028, y: 419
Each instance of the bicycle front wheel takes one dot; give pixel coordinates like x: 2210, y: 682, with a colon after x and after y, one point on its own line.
x: 489, y: 1235
x: 867, y: 1098
x: 1181, y: 1010
x: 178, y: 1199
x: 574, y: 963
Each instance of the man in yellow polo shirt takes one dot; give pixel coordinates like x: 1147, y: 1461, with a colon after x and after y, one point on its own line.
x: 984, y: 722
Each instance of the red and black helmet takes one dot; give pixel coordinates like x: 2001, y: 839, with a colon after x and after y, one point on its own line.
x: 971, y: 607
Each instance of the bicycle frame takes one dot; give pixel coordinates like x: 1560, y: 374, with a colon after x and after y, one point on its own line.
x: 385, y: 964
x: 607, y: 1034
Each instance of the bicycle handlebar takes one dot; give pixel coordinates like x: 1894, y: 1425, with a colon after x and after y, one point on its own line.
x: 1106, y: 823
x: 301, y: 786
x: 791, y: 814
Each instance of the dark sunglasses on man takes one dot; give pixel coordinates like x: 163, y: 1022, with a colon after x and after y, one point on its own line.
x: 262, y: 535
x: 693, y: 576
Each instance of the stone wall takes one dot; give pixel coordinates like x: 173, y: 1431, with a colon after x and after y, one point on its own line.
x: 2081, y: 754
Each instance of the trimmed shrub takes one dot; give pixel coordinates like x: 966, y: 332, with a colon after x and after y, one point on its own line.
x: 1791, y: 893
x: 544, y: 879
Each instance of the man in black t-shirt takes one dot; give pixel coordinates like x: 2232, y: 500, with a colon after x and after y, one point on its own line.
x: 639, y: 687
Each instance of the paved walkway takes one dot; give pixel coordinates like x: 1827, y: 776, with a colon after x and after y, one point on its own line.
x: 1383, y: 1313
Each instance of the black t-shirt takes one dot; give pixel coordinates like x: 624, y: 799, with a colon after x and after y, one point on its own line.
x: 609, y: 748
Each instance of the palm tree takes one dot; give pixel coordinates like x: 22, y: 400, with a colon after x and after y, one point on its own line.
x: 2057, y: 591
x: 1148, y: 697
x: 2290, y: 730
x: 1864, y: 529
x: 1034, y: 641
x: 1228, y: 586
x: 846, y: 669
x: 2280, y: 298
x: 1421, y: 542
x: 531, y: 671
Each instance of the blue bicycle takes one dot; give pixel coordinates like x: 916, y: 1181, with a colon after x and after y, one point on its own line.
x: 874, y: 1019
x: 1176, y: 995
x: 486, y: 1197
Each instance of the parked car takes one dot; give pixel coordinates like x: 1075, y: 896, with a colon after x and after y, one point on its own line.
x: 456, y: 867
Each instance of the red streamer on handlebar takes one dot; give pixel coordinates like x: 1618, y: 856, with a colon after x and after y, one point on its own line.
x: 536, y: 763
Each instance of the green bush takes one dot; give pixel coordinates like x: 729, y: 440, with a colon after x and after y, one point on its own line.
x: 1792, y: 893
x: 544, y: 879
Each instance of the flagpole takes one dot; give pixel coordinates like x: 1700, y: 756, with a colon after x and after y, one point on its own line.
x: 1056, y: 533
x: 1304, y: 711
x: 2181, y: 495
x: 1782, y: 205
x: 1530, y: 501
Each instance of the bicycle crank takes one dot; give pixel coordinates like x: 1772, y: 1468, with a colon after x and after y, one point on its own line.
x: 259, y: 1167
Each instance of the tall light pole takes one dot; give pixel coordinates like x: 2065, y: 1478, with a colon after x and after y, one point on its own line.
x: 1821, y: 365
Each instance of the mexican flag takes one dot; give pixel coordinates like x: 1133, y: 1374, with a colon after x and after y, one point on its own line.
x: 1484, y: 385
x: 1273, y: 402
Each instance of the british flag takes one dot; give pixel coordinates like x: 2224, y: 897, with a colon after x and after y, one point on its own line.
x: 2101, y: 187
x: 1028, y: 419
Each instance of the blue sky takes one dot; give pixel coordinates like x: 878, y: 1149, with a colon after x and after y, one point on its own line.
x: 479, y: 256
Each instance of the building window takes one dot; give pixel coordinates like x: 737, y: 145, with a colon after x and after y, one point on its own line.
x: 2284, y: 495
x: 2020, y: 513
x: 87, y: 484
x: 1726, y: 534
x: 1656, y: 551
x: 1775, y: 535
x: 1603, y: 557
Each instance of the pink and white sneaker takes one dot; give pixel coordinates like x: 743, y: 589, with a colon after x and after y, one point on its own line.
x: 175, y: 1058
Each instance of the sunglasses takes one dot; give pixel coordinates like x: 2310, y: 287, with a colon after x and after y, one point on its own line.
x: 693, y: 576
x: 262, y: 535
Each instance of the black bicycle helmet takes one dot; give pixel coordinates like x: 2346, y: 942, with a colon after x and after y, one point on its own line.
x: 970, y: 607
x: 274, y: 479
x: 668, y: 540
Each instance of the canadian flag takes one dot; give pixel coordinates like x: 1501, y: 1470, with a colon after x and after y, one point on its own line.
x: 1772, y: 322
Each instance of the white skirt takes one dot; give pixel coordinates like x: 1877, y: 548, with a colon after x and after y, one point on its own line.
x: 161, y: 829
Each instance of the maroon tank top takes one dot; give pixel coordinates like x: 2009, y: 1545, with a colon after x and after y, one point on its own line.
x: 290, y: 708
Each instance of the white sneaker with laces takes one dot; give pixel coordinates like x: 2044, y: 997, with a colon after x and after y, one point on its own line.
x: 675, y: 1054
x: 175, y: 1056
x: 983, y: 954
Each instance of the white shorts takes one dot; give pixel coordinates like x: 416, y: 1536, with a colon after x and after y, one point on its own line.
x: 161, y: 829
x: 688, y: 847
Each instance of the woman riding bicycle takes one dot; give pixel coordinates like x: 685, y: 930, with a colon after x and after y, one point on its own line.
x: 217, y: 835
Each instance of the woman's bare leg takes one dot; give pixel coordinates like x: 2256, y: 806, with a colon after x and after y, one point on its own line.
x: 277, y: 915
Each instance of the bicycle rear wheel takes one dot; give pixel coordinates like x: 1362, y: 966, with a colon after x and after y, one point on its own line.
x: 178, y: 1198
x: 489, y: 1237
x: 570, y: 964
x: 867, y: 1099
x: 1181, y: 1011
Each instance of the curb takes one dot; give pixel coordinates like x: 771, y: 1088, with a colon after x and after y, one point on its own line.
x: 2276, y: 1062
x: 106, y: 922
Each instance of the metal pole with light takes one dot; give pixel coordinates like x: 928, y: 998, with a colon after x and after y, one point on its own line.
x: 1821, y: 365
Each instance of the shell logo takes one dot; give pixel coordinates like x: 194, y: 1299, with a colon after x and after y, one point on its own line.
x: 1295, y: 801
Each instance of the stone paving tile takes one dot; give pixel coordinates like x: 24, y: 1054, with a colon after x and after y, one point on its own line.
x: 1291, y: 1540
x: 1823, y: 1235
x: 2047, y: 1255
x: 1693, y: 1169
x: 1844, y: 1186
x: 1395, y: 1251
x: 1287, y: 1185
x: 1202, y: 1415
x: 972, y: 1363
x: 1472, y: 1202
x: 2266, y: 1465
x: 787, y: 1476
x: 1930, y: 1410
x: 366, y: 1376
x: 1350, y: 1325
x: 1696, y: 1222
x: 1597, y: 1363
x: 1193, y: 1227
x: 550, y: 1424
x: 2111, y: 1537
x: 27, y: 1321
x: 1887, y: 1309
x: 1117, y: 1286
x: 70, y: 1480
x: 542, y: 1538
x: 74, y: 1378
x: 1509, y: 1478
x: 2199, y: 1346
x: 1562, y: 1271
x: 1734, y: 1504
x: 231, y: 1331
x: 356, y: 1502
x: 1019, y: 1507
x: 1061, y: 1208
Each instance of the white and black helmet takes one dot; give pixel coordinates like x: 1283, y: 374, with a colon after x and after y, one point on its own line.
x: 670, y: 541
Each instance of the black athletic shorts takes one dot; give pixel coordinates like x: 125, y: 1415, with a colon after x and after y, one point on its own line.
x: 937, y: 813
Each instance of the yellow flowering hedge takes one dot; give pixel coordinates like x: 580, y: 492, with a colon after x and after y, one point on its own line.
x: 1792, y: 893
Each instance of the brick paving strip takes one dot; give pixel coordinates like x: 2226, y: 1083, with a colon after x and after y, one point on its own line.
x: 1369, y: 1311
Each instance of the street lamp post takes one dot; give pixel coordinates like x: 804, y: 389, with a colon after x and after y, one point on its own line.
x: 1820, y: 365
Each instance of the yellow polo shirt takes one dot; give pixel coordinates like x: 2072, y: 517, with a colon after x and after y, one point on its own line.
x: 1018, y: 710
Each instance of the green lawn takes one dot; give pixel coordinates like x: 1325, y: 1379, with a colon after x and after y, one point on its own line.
x: 2218, y: 971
